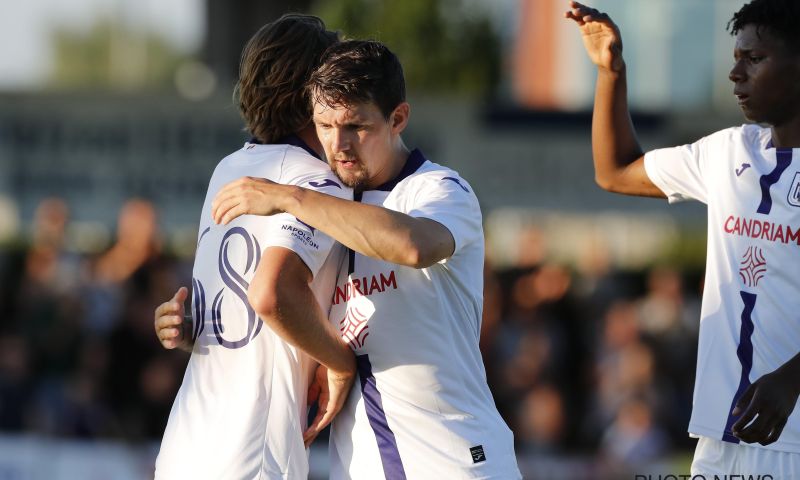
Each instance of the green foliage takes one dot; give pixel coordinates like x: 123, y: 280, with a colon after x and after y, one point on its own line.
x: 111, y: 56
x: 443, y: 47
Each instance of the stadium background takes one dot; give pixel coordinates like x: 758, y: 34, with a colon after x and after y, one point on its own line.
x: 113, y: 114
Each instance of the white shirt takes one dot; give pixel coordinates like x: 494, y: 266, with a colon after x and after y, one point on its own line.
x: 421, y: 408
x: 750, y: 320
x: 241, y: 409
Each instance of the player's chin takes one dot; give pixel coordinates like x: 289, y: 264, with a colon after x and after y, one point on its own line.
x: 350, y: 179
x: 750, y: 115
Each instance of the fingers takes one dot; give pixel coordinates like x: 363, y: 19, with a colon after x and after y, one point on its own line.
x: 314, y: 389
x: 175, y: 305
x: 749, y: 413
x: 323, y: 419
x: 760, y: 430
x: 745, y: 409
x: 181, y: 295
x: 313, y: 394
x: 223, y: 202
x: 775, y: 434
x: 227, y: 210
x: 169, y: 319
x: 579, y: 11
x: 225, y: 194
x: 583, y: 14
x: 744, y: 400
x: 170, y: 338
x: 758, y: 422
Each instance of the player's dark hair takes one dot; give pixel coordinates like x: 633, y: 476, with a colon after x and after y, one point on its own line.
x: 274, y: 69
x: 780, y: 17
x: 359, y: 71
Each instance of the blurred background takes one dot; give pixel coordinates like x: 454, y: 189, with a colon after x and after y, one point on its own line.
x: 113, y: 114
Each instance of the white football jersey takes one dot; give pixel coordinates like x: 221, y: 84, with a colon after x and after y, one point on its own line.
x: 241, y: 409
x: 421, y: 407
x: 750, y: 320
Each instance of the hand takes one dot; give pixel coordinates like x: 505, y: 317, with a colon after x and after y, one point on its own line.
x: 247, y: 196
x: 330, y: 390
x: 769, y: 400
x: 601, y: 37
x: 169, y: 322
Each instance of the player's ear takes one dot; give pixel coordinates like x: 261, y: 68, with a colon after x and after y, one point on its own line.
x: 398, y: 119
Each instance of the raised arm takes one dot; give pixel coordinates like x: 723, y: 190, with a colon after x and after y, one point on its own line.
x: 373, y: 231
x: 618, y: 158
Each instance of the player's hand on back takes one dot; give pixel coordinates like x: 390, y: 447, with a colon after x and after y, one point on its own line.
x: 765, y: 406
x: 330, y: 390
x: 170, y: 324
x: 601, y: 37
x: 246, y: 196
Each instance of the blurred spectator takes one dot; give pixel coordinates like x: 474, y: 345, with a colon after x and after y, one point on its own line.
x: 137, y: 243
x: 580, y: 361
x: 542, y: 422
x: 15, y: 384
x: 634, y: 441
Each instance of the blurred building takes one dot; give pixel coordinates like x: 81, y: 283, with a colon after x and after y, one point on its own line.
x: 678, y: 54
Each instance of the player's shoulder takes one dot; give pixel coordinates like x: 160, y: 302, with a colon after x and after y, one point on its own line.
x: 748, y: 134
x: 305, y: 170
x: 300, y: 160
x: 433, y: 175
x: 252, y: 153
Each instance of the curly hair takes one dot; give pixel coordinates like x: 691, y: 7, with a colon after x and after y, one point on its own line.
x: 359, y: 71
x: 275, y: 66
x: 780, y: 17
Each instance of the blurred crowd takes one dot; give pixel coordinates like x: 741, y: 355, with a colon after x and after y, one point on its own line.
x: 583, y: 359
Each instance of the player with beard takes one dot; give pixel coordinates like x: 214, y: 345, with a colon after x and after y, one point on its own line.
x: 409, y: 298
x: 262, y: 289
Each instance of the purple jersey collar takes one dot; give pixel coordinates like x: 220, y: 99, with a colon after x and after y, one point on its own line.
x: 292, y: 140
x: 413, y: 162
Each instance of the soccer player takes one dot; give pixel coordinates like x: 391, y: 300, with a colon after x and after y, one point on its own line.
x: 409, y: 298
x: 241, y: 410
x: 748, y: 367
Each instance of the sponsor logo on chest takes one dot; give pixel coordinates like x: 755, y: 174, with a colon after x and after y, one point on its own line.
x: 361, y: 287
x: 762, y: 230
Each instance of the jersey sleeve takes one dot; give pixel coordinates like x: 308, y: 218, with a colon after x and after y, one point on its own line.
x: 680, y: 172
x: 310, y: 244
x: 449, y: 200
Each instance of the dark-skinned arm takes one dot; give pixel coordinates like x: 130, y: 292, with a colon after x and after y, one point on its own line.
x: 618, y: 157
x: 766, y: 404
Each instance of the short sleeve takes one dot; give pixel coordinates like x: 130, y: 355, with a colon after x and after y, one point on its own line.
x: 449, y: 200
x: 679, y: 171
x: 310, y: 244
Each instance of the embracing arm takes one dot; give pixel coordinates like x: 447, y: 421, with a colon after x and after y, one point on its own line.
x: 373, y: 231
x: 281, y: 296
x: 618, y: 158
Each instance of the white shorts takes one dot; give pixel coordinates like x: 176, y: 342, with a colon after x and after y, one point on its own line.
x: 715, y: 457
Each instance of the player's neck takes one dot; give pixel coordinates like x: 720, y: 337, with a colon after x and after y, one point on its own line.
x: 309, y: 135
x: 398, y: 158
x: 787, y: 135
